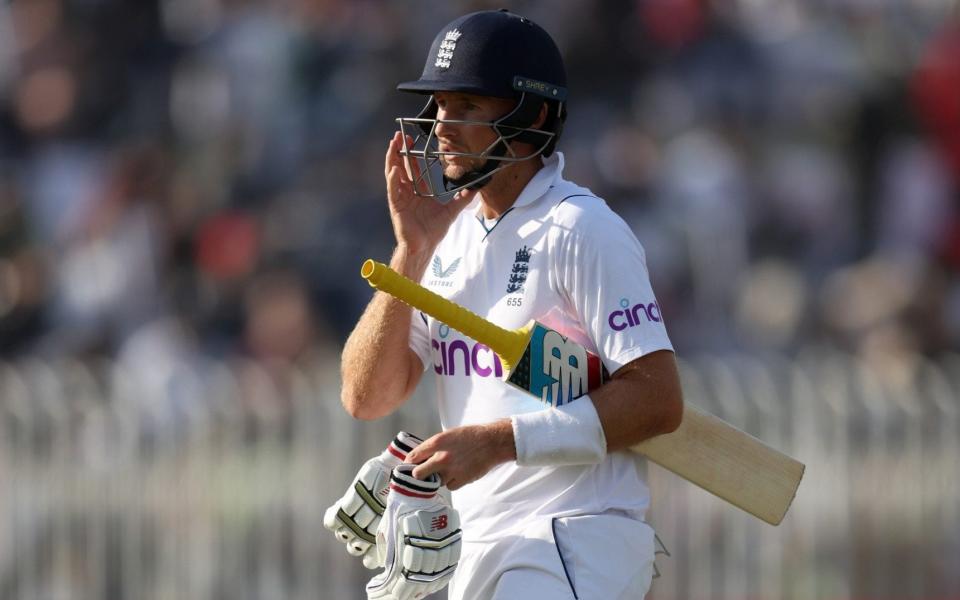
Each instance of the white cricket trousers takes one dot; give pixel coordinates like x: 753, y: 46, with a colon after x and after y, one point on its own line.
x: 584, y: 557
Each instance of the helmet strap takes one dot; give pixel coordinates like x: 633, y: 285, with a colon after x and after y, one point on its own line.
x: 523, y: 116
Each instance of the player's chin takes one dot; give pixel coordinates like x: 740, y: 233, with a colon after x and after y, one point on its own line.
x: 455, y: 171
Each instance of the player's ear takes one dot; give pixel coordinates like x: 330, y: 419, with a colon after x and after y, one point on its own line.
x: 541, y: 117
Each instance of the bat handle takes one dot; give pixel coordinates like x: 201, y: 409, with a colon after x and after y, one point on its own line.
x: 508, y: 344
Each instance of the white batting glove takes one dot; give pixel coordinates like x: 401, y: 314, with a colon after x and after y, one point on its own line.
x: 355, y: 517
x: 418, y: 539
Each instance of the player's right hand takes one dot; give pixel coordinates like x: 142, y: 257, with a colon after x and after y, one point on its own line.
x: 418, y: 223
x: 355, y: 517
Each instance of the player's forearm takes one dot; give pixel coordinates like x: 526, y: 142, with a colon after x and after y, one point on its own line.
x: 643, y: 400
x: 376, y: 365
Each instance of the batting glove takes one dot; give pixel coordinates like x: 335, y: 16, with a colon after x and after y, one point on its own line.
x: 355, y: 517
x: 418, y: 539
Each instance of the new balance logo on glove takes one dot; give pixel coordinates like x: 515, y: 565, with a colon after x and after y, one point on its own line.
x: 438, y: 523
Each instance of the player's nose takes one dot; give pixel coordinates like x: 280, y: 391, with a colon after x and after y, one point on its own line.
x: 444, y: 130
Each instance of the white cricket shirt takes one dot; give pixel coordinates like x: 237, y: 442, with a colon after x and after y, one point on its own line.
x: 562, y: 257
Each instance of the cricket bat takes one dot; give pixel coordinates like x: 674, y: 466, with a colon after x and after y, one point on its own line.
x: 705, y: 450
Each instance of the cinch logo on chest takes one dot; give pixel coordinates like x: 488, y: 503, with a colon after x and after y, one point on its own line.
x: 471, y: 358
x: 518, y: 274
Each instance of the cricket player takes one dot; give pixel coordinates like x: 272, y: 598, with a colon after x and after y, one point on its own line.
x: 550, y: 503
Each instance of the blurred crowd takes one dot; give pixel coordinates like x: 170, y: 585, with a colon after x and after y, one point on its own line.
x: 202, y: 178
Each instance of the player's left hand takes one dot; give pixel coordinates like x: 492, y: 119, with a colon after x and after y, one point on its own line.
x: 464, y: 454
x: 418, y: 540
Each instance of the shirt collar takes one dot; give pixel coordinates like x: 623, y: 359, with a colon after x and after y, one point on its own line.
x: 537, y: 187
x: 540, y: 184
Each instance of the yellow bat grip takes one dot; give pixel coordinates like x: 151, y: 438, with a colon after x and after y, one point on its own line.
x: 508, y: 344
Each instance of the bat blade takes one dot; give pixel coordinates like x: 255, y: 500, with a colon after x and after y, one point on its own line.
x: 704, y: 450
x: 729, y: 463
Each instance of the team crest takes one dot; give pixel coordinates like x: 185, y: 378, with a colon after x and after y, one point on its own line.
x: 447, y: 46
x: 518, y: 274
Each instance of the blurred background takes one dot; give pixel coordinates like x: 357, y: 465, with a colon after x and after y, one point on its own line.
x: 188, y: 189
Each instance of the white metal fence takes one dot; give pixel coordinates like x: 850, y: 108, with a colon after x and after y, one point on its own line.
x: 209, y: 482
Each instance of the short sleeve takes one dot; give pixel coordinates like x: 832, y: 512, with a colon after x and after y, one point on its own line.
x: 420, y: 338
x: 602, y: 270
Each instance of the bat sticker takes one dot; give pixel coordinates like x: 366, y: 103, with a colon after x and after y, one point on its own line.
x: 555, y: 369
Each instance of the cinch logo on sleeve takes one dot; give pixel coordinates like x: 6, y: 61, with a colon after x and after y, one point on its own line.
x: 460, y: 357
x: 631, y: 316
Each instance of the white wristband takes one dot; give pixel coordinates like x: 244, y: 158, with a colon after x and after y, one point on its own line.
x: 568, y: 435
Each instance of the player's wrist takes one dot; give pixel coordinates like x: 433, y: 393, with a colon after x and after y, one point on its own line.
x: 568, y: 435
x: 411, y: 260
x: 501, y: 441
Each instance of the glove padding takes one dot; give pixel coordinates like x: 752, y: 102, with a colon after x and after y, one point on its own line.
x: 355, y: 517
x: 418, y: 539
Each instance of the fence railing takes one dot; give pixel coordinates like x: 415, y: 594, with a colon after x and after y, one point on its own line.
x: 210, y: 481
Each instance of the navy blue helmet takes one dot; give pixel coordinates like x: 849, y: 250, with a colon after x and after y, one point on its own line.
x: 489, y: 53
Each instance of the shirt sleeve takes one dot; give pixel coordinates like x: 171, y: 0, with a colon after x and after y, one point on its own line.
x: 602, y: 270
x: 420, y: 338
